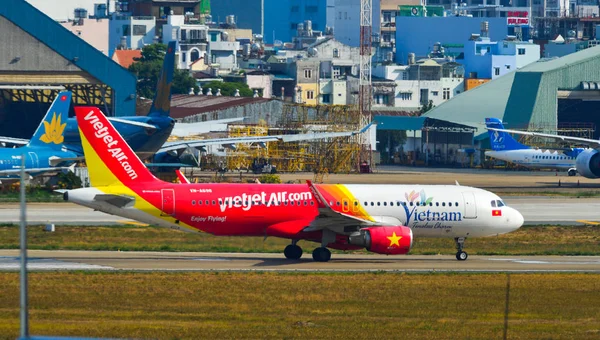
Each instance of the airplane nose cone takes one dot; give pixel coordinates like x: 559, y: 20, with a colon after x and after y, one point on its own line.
x: 516, y: 220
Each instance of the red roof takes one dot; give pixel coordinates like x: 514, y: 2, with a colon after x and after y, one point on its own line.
x: 125, y: 57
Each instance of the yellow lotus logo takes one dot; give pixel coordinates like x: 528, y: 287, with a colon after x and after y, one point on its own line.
x: 53, y: 131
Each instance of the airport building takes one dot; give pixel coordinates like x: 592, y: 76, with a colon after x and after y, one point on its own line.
x: 542, y: 96
x: 39, y: 57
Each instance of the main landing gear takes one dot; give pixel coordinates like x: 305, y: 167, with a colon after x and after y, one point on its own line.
x: 461, y: 255
x: 293, y: 251
x: 321, y: 254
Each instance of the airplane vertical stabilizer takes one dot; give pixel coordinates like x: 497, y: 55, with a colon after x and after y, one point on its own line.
x: 502, y: 141
x: 110, y: 161
x: 161, y: 106
x: 51, y: 131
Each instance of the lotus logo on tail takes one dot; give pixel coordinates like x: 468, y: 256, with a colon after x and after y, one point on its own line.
x: 53, y: 131
x: 498, y: 138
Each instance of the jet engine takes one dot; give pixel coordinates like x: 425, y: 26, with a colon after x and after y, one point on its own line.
x: 395, y: 240
x: 588, y: 163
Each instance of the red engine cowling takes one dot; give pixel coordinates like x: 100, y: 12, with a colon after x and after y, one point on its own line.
x: 384, y: 240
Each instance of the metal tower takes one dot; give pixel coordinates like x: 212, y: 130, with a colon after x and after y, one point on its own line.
x: 365, y: 93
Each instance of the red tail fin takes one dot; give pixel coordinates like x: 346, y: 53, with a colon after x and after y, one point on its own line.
x: 109, y: 159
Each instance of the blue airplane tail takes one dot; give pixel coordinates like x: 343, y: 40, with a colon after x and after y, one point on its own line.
x: 161, y: 107
x: 502, y: 141
x: 51, y: 131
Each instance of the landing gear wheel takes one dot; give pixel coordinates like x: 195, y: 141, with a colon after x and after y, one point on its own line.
x: 321, y: 254
x: 460, y: 243
x: 462, y: 255
x: 572, y: 172
x: 292, y: 252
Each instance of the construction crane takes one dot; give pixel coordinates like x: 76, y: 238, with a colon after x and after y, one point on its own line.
x: 365, y: 94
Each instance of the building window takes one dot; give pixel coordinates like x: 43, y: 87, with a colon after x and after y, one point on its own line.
x: 435, y: 93
x: 194, y: 55
x: 381, y: 99
x: 507, y: 67
x: 404, y: 75
x: 336, y: 53
x: 327, y: 99
x: 446, y: 93
x: 139, y: 29
x: 164, y: 11
x: 310, y: 94
x: 387, y: 16
x: 188, y: 10
x: 307, y: 73
x: 496, y: 71
x: 336, y: 72
x: 405, y: 96
x: 183, y: 57
x: 126, y: 30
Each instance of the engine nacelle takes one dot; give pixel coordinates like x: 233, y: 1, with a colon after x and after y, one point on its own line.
x: 588, y: 163
x: 395, y: 240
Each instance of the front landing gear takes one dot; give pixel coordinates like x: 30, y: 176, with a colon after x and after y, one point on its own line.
x: 461, y: 255
x: 293, y: 251
x: 321, y: 254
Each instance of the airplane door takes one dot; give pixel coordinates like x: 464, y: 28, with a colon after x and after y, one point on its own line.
x: 34, y: 159
x: 470, y: 205
x: 345, y: 205
x: 526, y: 159
x: 168, y: 201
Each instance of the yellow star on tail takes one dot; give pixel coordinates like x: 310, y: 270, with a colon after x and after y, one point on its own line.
x: 394, y: 240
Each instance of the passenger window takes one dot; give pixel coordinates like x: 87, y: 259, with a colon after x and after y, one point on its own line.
x: 372, y: 204
x: 207, y: 202
x: 449, y: 204
x: 430, y: 204
x: 398, y: 203
x: 305, y: 203
x: 312, y: 203
x: 337, y: 203
x: 437, y: 204
x: 411, y: 204
x: 378, y: 203
x: 285, y: 203
x: 456, y: 204
x: 356, y: 203
x: 193, y: 202
x: 199, y: 202
x: 443, y: 204
x: 493, y: 204
x: 391, y: 204
x: 385, y: 204
x: 213, y: 202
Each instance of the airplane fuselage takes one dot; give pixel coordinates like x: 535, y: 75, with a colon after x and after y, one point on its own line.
x: 259, y: 210
x: 10, y: 159
x: 536, y: 158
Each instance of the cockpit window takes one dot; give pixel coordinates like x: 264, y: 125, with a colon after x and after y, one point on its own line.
x: 500, y: 203
x: 493, y: 204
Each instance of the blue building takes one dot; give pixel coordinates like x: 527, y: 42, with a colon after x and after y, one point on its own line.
x: 486, y: 59
x: 419, y: 34
x: 278, y: 20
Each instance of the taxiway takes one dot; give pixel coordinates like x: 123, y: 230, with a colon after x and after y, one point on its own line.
x: 165, y: 261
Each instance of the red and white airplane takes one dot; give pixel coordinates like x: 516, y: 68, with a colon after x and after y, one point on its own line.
x: 381, y: 218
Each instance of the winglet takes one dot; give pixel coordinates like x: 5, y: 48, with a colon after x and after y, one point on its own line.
x: 51, y: 131
x: 321, y: 202
x: 457, y: 184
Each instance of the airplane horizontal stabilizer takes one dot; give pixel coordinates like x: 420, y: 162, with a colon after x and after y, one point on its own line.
x: 119, y: 201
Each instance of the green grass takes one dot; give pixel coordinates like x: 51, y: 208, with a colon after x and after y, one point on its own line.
x: 307, y: 306
x: 536, y: 240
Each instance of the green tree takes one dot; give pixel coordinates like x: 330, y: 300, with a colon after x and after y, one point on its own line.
x: 147, y: 70
x: 228, y: 89
x: 427, y: 107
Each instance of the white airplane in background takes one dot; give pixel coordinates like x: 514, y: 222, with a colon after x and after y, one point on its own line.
x: 506, y: 148
x: 381, y: 218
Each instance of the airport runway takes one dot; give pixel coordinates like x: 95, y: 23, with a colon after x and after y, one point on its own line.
x: 159, y: 261
x: 536, y: 210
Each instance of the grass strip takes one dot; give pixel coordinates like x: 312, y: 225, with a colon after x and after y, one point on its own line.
x: 530, y: 240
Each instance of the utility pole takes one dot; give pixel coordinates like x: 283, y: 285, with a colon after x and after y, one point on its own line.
x: 365, y: 92
x: 23, y: 240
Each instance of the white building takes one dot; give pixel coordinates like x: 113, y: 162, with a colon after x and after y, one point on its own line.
x: 486, y: 59
x: 425, y: 81
x: 192, y: 39
x: 130, y: 32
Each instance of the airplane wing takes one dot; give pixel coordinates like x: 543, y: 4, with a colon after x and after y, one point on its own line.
x: 190, y: 129
x: 17, y: 141
x: 56, y: 161
x: 134, y: 123
x: 31, y: 170
x: 118, y: 201
x: 584, y: 141
x: 330, y: 219
x: 230, y: 142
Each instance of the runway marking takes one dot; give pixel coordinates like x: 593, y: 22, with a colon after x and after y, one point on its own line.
x: 588, y: 222
x: 546, y: 262
x: 14, y: 263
